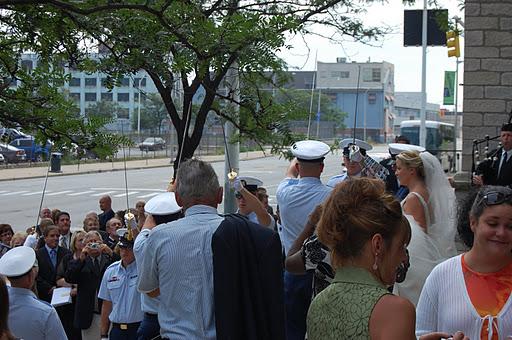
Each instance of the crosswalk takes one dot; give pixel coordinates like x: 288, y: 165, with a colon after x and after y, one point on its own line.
x: 90, y: 192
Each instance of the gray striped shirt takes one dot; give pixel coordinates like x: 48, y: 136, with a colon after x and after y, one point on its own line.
x: 178, y: 259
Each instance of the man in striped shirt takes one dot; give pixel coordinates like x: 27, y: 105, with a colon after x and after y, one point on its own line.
x: 178, y: 259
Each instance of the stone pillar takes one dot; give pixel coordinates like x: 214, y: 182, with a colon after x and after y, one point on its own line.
x: 487, y: 71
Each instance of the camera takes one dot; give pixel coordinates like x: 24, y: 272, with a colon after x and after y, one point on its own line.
x: 94, y: 245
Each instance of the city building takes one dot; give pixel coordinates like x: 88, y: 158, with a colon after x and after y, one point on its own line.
x: 87, y: 89
x: 365, y: 90
x: 408, y: 107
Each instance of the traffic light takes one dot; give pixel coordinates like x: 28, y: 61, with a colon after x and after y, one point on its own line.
x: 452, y: 42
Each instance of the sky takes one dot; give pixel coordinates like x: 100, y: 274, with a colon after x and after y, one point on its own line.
x: 407, y: 60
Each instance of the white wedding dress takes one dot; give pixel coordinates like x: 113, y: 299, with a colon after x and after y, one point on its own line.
x: 426, y: 250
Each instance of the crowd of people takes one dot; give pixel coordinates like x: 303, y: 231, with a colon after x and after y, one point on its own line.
x: 370, y: 255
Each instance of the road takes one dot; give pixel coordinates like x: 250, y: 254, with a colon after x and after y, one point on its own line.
x: 79, y: 194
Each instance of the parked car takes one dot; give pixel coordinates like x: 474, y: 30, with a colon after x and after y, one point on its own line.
x: 2, y: 159
x: 152, y: 143
x: 11, y: 134
x: 12, y: 154
x: 34, y: 152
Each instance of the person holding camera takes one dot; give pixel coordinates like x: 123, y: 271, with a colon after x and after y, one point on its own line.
x: 87, y: 272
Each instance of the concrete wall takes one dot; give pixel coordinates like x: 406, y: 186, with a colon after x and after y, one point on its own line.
x: 487, y: 70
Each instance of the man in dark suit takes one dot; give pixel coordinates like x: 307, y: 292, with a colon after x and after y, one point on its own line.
x: 87, y: 272
x: 497, y: 170
x: 64, y: 223
x: 107, y: 214
x: 49, y: 257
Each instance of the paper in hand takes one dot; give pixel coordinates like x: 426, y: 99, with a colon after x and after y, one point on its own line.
x: 61, y: 296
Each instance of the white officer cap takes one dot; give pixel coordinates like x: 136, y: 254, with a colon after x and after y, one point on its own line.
x: 346, y: 142
x: 396, y: 148
x: 251, y: 183
x: 17, y: 261
x: 162, y: 204
x: 310, y: 150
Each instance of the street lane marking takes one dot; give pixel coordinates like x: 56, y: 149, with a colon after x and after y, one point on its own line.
x: 137, y: 189
x: 14, y: 193
x: 149, y: 195
x: 59, y: 193
x: 124, y: 194
x: 34, y: 193
x: 2, y: 191
x: 102, y: 193
x: 81, y: 193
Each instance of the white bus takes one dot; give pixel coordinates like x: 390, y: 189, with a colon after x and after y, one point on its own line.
x: 440, y: 139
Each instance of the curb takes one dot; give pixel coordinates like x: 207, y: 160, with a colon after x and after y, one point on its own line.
x: 113, y: 170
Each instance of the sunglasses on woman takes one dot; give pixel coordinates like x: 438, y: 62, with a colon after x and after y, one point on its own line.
x: 495, y: 198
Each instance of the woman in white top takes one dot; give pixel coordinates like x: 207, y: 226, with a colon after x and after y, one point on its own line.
x: 430, y: 209
x: 472, y: 292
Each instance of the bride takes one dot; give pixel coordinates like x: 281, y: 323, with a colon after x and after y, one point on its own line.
x: 430, y: 209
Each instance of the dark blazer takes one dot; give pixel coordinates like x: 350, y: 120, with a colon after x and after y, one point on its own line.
x: 489, y: 171
x: 104, y: 217
x: 83, y: 274
x: 248, y: 281
x: 47, y: 276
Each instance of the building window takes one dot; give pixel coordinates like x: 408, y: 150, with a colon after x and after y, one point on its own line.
x: 106, y: 96
x: 123, y: 113
x: 104, y: 82
x: 125, y: 82
x: 27, y: 65
x: 340, y: 74
x: 90, y: 81
x: 75, y: 82
x: 142, y: 82
x: 74, y: 96
x: 371, y: 75
x: 123, y: 97
x: 372, y: 98
x: 90, y: 96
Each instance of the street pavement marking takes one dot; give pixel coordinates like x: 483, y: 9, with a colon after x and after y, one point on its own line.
x: 103, y: 193
x: 33, y: 193
x: 2, y: 191
x: 81, y: 193
x: 122, y: 189
x: 149, y: 195
x: 124, y: 194
x: 13, y: 193
x: 59, y: 193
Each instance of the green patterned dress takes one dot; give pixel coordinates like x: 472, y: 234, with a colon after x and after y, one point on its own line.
x: 342, y: 310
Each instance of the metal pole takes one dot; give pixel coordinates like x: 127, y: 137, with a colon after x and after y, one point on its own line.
x: 138, y: 111
x: 231, y: 162
x: 364, y: 113
x: 423, y: 112
x: 318, y: 114
x: 312, y: 94
x: 455, y: 135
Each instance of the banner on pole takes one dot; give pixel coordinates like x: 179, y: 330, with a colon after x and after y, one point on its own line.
x: 449, y: 88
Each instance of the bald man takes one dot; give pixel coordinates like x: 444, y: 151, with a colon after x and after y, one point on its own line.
x: 108, y: 213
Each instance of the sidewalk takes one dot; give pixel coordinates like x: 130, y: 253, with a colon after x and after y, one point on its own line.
x: 88, y: 168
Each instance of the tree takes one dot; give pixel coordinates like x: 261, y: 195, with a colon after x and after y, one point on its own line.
x: 190, y: 47
x: 30, y: 97
x: 153, y: 114
x: 105, y: 109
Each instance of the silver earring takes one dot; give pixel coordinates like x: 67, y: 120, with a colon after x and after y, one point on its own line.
x: 375, y: 266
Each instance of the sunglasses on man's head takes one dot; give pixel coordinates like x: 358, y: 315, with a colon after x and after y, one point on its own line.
x: 495, y: 197
x: 238, y: 194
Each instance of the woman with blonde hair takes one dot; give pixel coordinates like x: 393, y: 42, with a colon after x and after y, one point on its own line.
x: 67, y: 312
x: 430, y: 209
